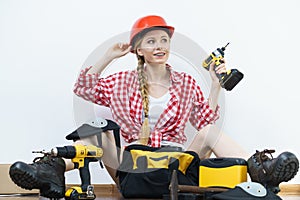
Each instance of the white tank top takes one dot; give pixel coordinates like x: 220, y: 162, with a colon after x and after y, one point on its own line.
x: 156, y: 107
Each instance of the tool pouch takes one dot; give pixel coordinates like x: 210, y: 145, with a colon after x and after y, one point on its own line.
x: 145, y: 172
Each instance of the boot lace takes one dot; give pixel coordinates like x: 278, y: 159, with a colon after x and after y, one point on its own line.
x: 264, y: 157
x: 46, y: 159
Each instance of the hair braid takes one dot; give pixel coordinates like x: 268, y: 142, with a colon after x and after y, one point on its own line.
x: 145, y: 132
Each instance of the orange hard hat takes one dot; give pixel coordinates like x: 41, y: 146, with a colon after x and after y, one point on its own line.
x: 147, y: 22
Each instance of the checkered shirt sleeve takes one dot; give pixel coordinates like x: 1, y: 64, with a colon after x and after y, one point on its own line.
x: 92, y: 87
x: 202, y: 114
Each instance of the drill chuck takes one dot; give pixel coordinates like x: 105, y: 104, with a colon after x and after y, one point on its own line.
x: 65, y: 152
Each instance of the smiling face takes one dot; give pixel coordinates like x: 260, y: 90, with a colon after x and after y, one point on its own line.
x: 155, y: 47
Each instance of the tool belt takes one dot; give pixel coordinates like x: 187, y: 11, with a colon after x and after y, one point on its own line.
x: 145, y: 172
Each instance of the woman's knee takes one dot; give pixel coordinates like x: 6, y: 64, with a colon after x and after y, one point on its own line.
x: 110, y: 155
x: 209, y: 134
x: 91, y: 140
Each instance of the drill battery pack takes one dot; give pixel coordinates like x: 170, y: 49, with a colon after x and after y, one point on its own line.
x: 231, y: 79
x: 222, y: 172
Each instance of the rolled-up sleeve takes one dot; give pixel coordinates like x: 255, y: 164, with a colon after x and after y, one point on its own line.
x: 93, y: 88
x: 202, y: 114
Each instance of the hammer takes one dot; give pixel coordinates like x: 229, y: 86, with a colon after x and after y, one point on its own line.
x: 175, y: 188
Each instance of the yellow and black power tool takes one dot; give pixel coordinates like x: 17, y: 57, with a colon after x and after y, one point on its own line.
x: 229, y: 79
x: 81, y: 156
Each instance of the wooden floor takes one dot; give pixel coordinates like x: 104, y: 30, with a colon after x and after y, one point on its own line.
x: 110, y: 192
x: 289, y: 197
x: 113, y: 196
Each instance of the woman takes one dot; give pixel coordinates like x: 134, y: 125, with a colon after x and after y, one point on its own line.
x: 131, y: 96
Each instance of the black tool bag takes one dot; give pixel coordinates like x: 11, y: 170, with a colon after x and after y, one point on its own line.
x: 145, y: 172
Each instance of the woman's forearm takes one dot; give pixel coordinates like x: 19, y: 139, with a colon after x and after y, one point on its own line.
x: 214, y: 95
x: 100, y: 65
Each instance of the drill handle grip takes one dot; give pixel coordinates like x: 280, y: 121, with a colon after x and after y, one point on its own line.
x: 85, y: 175
x: 220, y: 76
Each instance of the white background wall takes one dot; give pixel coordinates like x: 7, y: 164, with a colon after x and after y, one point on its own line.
x: 43, y: 45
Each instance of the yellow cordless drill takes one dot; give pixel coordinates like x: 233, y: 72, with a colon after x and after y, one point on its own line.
x: 81, y: 156
x: 229, y: 79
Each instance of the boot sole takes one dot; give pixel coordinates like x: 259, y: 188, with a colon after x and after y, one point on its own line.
x: 287, y: 168
x: 25, y: 178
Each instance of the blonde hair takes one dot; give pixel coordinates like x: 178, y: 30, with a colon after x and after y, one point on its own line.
x: 137, y: 40
x: 145, y: 130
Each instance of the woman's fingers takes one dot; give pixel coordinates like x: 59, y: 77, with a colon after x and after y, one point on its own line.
x: 220, y: 69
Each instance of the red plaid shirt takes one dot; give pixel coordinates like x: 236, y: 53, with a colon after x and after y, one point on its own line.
x: 120, y: 92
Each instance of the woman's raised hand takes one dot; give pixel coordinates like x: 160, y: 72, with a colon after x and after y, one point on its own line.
x: 118, y: 50
x: 218, y: 70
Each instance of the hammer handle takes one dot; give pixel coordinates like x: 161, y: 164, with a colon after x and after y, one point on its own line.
x: 196, y: 189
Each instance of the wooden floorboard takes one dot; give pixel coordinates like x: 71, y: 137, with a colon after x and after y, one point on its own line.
x: 110, y: 192
x: 118, y: 197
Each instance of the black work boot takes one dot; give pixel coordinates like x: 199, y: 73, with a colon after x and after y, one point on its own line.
x: 270, y: 171
x: 45, y: 173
